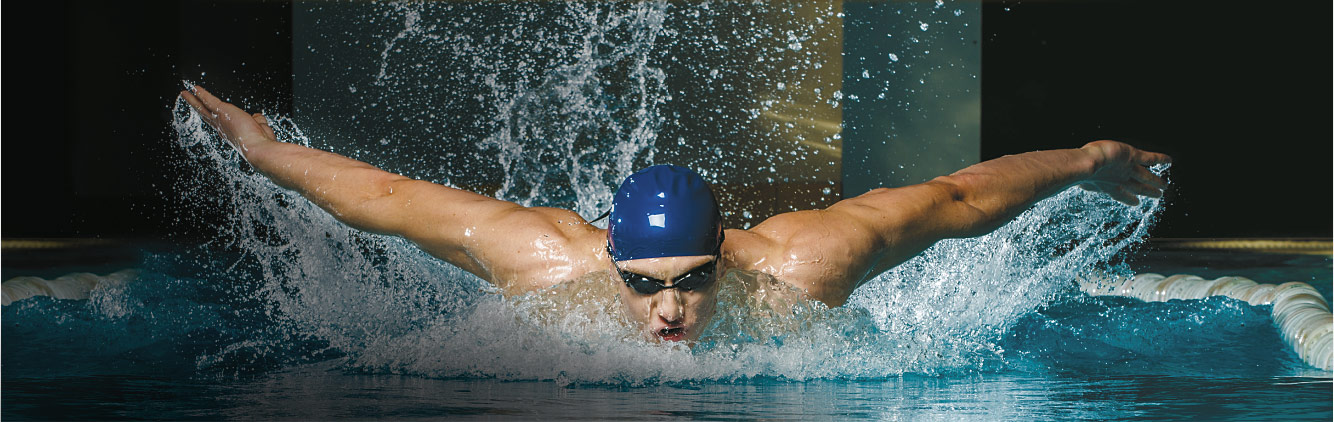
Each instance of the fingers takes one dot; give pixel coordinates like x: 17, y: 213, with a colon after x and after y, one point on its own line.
x: 1127, y: 192
x: 1144, y: 176
x: 191, y: 100
x: 194, y: 102
x: 1127, y: 175
x: 264, y: 124
x: 1122, y: 196
x: 208, y: 100
x: 1146, y: 158
x: 1137, y: 188
x: 1141, y: 157
x: 209, y: 106
x: 1141, y: 182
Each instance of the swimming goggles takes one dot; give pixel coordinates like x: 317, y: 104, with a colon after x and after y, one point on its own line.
x: 645, y: 285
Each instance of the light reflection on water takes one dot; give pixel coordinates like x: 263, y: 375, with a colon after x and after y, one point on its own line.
x: 1078, y: 358
x: 321, y: 393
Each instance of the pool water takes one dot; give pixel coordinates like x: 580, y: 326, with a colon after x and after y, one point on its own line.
x: 178, y: 347
x: 319, y: 393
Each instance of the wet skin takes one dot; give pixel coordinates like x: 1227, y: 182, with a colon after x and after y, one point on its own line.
x: 669, y: 314
x: 825, y: 254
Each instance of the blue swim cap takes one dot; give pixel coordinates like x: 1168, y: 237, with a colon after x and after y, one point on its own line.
x: 663, y: 211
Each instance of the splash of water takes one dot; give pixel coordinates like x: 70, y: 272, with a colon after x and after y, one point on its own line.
x: 553, y: 103
x: 391, y: 308
x: 558, y: 101
x: 566, y: 122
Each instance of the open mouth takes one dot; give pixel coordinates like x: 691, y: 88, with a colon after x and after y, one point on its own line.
x: 672, y: 333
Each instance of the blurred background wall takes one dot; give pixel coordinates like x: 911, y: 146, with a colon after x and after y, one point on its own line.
x: 1230, y: 89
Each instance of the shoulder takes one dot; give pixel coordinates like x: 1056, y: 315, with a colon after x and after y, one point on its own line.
x: 534, y: 248
x: 815, y: 251
x: 516, y: 223
x: 793, y: 235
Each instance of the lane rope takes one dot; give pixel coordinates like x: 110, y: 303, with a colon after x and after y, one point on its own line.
x: 1301, y: 246
x: 69, y: 286
x: 1300, y: 312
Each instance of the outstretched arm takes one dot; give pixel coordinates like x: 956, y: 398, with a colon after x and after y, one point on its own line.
x: 514, y: 247
x: 985, y: 196
x: 831, y: 252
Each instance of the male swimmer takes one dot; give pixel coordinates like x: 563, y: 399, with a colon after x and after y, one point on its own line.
x: 665, y: 248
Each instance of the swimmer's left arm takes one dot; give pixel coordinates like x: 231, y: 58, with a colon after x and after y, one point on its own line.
x: 831, y: 252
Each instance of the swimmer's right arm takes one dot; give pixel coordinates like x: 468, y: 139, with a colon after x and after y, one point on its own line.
x: 340, y: 185
x: 491, y: 238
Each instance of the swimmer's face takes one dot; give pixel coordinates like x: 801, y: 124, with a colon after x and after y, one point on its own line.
x: 669, y: 314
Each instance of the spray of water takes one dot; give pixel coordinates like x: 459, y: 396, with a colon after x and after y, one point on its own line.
x: 553, y: 103
x: 580, y: 107
x: 390, y: 307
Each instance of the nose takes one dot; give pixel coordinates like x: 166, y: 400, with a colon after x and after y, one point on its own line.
x: 670, y: 308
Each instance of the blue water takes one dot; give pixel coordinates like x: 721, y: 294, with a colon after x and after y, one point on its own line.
x: 146, y: 371
x: 317, y: 393
x: 183, y: 342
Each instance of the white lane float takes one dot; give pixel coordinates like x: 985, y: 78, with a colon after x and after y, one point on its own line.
x: 1301, y: 313
x: 68, y: 286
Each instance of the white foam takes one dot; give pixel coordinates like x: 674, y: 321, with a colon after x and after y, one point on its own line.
x: 390, y: 307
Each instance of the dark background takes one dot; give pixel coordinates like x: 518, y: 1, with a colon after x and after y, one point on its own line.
x: 1234, y: 91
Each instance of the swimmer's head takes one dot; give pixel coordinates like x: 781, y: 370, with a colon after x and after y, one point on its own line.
x: 663, y: 211
x: 664, y: 237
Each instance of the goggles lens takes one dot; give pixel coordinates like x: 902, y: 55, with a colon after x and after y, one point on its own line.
x: 691, y: 280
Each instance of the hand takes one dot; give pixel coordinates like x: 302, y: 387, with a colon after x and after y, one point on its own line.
x: 239, y: 128
x: 1121, y: 171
